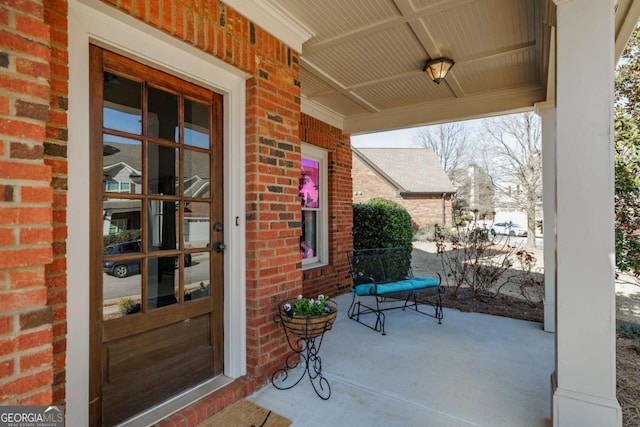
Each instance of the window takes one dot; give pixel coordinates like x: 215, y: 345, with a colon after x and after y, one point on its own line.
x: 314, y: 240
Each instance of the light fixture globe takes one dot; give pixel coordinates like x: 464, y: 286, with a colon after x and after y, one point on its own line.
x: 438, y: 68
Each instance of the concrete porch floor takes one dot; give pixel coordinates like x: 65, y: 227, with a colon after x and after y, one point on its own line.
x: 472, y: 370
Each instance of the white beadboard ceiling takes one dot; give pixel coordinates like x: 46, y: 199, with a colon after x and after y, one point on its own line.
x: 361, y: 61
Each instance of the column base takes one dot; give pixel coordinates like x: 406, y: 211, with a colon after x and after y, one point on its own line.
x: 571, y: 408
x: 549, y: 316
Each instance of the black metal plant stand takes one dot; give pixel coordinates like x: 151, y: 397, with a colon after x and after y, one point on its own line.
x: 304, y: 350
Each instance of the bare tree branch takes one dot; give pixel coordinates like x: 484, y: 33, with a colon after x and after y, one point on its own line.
x: 450, y: 142
x: 516, y: 146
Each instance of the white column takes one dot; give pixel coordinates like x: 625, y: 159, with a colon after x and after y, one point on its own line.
x: 585, y: 377
x: 547, y: 113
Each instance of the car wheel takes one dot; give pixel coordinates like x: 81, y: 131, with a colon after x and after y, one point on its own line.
x: 120, y: 270
x: 512, y: 233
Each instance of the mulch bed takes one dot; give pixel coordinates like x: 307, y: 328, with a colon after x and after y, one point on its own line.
x: 627, y: 356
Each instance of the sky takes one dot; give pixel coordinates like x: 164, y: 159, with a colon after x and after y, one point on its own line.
x: 402, y: 138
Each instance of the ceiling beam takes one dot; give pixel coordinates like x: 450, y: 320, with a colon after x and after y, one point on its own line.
x: 443, y: 111
x: 311, y: 47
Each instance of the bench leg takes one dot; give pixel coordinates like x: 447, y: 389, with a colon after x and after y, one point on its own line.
x: 356, y: 309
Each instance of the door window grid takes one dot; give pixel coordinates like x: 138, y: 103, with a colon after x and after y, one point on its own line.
x: 164, y: 215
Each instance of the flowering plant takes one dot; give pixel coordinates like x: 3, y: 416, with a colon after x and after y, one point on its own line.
x: 307, y: 306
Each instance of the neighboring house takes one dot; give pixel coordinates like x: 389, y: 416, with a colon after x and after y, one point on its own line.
x: 413, y: 177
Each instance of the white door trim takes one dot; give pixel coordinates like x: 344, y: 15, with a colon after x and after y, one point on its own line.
x: 91, y: 21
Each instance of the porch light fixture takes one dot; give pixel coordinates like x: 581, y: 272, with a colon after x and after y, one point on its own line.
x: 438, y: 68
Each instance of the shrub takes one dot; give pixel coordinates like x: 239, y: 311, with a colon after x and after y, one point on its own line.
x: 428, y: 233
x: 381, y: 224
x: 629, y: 330
x: 122, y: 236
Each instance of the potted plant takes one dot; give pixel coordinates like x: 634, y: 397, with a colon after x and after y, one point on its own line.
x: 308, y: 317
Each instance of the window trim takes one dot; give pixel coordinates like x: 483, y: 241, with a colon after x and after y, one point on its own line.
x: 321, y: 156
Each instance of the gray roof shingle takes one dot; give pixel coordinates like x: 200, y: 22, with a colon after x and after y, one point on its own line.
x: 411, y: 170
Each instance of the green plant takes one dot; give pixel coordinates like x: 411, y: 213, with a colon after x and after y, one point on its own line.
x: 382, y: 224
x: 629, y: 330
x: 122, y: 236
x: 128, y: 305
x: 307, y: 306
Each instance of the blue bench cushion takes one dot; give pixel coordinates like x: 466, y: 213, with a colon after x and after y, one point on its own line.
x: 412, y: 284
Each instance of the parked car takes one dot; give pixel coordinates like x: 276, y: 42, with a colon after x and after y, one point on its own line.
x: 127, y: 267
x: 508, y: 229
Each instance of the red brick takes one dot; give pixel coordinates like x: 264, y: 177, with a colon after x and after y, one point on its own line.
x: 57, y: 166
x: 30, y: 236
x: 154, y: 13
x: 7, y: 237
x: 29, y: 7
x: 22, y: 129
x: 18, y: 299
x: 7, y: 369
x: 36, y: 194
x: 6, y: 324
x: 25, y: 278
x: 4, y: 17
x: 26, y: 384
x: 40, y: 398
x: 4, y: 105
x: 56, y: 17
x: 31, y: 215
x: 59, y: 37
x: 20, y: 44
x: 31, y: 340
x: 32, y: 27
x: 30, y: 171
x: 58, y: 118
x: 33, y: 68
x: 24, y: 258
x: 35, y: 360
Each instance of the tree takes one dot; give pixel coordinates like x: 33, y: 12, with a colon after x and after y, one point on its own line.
x: 450, y: 142
x: 627, y: 158
x: 515, y: 145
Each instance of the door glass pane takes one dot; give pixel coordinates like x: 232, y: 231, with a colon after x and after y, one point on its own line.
x: 162, y: 221
x: 196, y: 124
x: 122, y: 164
x: 122, y: 106
x: 163, y: 170
x: 196, y: 276
x: 121, y: 222
x: 162, y: 115
x: 121, y: 295
x: 196, y: 174
x: 162, y: 279
x: 197, y: 223
x: 309, y: 183
x: 308, y: 248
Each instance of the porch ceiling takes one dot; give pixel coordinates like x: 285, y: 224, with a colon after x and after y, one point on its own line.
x: 361, y: 62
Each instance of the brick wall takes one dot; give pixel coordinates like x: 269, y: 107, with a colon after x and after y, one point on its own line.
x: 332, y: 279
x: 33, y: 187
x: 26, y: 350
x: 424, y: 210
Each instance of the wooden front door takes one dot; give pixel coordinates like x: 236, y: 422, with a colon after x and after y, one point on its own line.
x: 156, y: 212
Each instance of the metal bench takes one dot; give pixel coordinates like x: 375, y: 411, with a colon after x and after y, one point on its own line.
x: 383, y: 280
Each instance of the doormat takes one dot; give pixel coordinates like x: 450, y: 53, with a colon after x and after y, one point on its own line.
x: 245, y: 413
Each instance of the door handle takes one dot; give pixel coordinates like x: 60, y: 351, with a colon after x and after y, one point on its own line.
x: 219, y: 246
